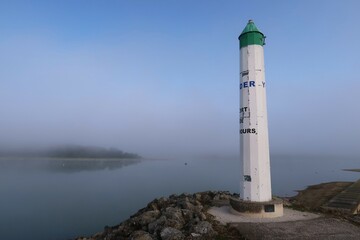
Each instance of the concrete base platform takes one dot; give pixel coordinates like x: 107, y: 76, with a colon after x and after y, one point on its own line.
x: 224, y: 215
x: 270, y: 209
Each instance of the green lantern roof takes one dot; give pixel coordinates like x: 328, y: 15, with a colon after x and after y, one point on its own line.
x: 251, y: 35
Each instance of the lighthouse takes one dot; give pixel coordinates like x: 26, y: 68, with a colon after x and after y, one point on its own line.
x: 255, y: 179
x: 254, y: 140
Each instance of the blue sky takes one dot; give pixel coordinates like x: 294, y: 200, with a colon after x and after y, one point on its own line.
x: 161, y: 77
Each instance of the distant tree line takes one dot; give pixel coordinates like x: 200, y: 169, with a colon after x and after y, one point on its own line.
x: 89, y: 152
x: 73, y: 152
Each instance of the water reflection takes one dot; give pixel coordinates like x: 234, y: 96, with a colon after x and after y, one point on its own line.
x: 63, y: 198
x: 63, y: 165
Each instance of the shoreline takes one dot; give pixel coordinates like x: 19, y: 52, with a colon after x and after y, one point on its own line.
x: 188, y: 216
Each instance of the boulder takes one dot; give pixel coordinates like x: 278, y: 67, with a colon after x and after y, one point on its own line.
x: 140, y: 235
x: 187, y: 214
x: 203, y: 228
x: 185, y: 204
x: 173, y: 213
x: 158, y: 224
x: 171, y: 234
x: 147, y: 217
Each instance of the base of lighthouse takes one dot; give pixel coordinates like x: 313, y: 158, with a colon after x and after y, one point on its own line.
x: 270, y: 209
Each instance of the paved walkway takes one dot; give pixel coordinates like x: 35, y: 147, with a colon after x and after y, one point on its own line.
x: 293, y: 225
x: 315, y: 229
x: 347, y: 201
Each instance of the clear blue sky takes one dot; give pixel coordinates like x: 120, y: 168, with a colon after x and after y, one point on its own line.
x: 162, y: 77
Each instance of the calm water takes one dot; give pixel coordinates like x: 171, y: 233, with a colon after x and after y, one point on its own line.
x: 61, y: 199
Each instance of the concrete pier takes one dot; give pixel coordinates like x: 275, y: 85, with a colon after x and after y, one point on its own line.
x: 347, y: 201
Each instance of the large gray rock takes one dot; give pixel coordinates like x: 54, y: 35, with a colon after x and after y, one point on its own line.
x: 161, y: 202
x: 174, y: 217
x: 147, y: 217
x: 140, y: 235
x: 157, y: 224
x: 187, y: 215
x: 186, y: 204
x: 174, y: 224
x: 203, y: 228
x: 170, y: 233
x: 174, y: 213
x: 197, y: 196
x: 200, y: 215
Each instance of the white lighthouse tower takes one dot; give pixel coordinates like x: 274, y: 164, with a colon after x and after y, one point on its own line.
x: 254, y: 140
x: 255, y: 183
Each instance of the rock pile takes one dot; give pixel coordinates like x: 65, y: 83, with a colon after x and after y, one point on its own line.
x: 174, y: 218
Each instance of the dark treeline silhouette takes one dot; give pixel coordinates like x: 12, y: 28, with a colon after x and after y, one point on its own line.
x: 72, y: 151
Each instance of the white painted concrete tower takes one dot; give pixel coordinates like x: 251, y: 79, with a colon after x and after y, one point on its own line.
x: 254, y: 141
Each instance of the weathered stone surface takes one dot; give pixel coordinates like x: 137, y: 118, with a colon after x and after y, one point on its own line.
x: 187, y: 214
x: 173, y: 213
x: 197, y: 196
x: 157, y: 224
x: 140, y: 235
x: 203, y: 227
x: 171, y: 234
x: 185, y: 217
x: 146, y: 217
x: 186, y: 204
x: 195, y: 235
x: 181, y: 216
x: 201, y: 216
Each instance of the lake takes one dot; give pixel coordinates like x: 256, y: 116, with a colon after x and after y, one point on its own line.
x: 61, y: 199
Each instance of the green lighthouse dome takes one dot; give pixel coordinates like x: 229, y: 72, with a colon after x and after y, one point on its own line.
x: 251, y: 35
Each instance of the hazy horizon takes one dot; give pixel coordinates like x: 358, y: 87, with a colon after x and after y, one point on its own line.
x: 162, y: 79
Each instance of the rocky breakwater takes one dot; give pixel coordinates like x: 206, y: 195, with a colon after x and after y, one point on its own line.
x: 176, y: 217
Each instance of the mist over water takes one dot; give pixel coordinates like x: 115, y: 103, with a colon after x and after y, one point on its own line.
x: 161, y: 80
x: 64, y: 198
x: 168, y: 99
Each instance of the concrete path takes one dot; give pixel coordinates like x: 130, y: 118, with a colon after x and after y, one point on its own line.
x: 347, y: 201
x: 293, y: 225
x: 314, y: 229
